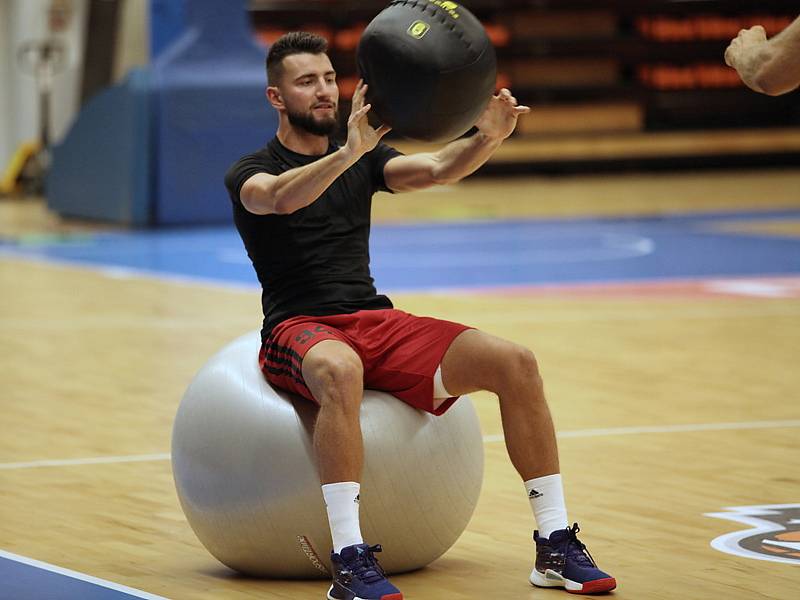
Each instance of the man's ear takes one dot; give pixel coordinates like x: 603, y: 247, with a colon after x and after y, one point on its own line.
x: 274, y: 97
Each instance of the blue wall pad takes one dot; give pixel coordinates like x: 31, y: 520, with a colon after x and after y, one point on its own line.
x: 164, y: 164
x: 209, y: 109
x: 167, y: 23
x: 102, y: 168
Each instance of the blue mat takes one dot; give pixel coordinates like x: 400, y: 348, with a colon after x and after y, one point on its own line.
x: 434, y: 256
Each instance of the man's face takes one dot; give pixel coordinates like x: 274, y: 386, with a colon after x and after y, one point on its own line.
x: 310, y: 94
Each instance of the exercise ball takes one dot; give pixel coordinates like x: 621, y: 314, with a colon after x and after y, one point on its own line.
x: 430, y: 68
x: 247, y: 479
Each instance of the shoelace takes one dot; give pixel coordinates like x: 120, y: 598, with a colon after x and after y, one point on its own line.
x: 366, y: 567
x: 576, y: 549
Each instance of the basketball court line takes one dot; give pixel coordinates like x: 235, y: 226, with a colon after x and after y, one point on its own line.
x: 612, y: 431
x: 97, y: 460
x: 117, y: 272
x: 23, y: 580
x: 487, y: 439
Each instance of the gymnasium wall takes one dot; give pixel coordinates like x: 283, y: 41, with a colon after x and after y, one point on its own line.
x: 133, y: 42
x: 22, y: 21
x: 6, y: 143
x: 153, y: 148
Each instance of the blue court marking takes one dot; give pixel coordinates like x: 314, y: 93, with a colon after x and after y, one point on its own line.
x: 23, y: 578
x: 426, y: 256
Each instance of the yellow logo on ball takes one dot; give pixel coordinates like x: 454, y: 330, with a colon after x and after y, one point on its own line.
x: 450, y: 8
x: 418, y: 29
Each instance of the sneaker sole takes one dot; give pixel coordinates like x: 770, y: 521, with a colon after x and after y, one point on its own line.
x: 384, y: 597
x: 552, y: 579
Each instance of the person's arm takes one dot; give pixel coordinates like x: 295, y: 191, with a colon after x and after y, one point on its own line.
x: 459, y: 158
x: 265, y: 194
x: 768, y: 66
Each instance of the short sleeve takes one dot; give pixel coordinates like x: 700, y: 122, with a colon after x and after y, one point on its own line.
x: 382, y: 154
x: 242, y: 170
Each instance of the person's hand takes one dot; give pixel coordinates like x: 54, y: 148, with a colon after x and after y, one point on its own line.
x: 500, y: 117
x: 743, y: 45
x: 361, y: 136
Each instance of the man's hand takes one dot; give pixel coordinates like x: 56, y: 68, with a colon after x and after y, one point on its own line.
x: 500, y: 117
x: 749, y: 53
x: 743, y: 45
x: 361, y: 137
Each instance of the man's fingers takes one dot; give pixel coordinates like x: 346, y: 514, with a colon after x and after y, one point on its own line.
x: 359, y: 114
x: 756, y: 32
x: 729, y: 56
x: 358, y: 96
x: 356, y: 104
x: 520, y: 110
x: 363, y: 111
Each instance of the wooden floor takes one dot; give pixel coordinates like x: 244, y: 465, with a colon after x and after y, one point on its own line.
x: 92, y: 366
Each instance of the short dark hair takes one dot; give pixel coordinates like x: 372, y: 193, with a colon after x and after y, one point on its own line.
x: 295, y: 42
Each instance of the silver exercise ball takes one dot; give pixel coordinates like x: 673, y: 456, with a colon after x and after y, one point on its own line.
x: 247, y: 479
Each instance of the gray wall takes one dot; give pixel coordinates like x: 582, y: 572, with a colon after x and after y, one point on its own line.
x: 20, y: 21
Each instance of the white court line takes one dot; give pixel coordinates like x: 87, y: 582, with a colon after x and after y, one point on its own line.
x: 117, y: 272
x: 99, y: 460
x: 80, y: 576
x: 580, y: 433
x: 487, y: 439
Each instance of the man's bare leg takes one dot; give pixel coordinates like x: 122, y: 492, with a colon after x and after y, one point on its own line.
x: 479, y: 361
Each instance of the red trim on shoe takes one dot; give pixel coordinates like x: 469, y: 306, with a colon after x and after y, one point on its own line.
x: 597, y: 586
x: 392, y: 597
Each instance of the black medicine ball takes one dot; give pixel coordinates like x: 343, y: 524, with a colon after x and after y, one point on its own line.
x: 430, y: 68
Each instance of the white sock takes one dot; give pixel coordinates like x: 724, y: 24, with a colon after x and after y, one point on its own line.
x: 546, y: 495
x: 341, y: 500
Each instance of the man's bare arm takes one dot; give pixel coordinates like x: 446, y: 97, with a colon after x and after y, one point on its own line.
x: 265, y: 194
x: 768, y: 66
x: 461, y: 157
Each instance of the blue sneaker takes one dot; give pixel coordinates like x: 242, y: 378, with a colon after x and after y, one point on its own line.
x: 358, y: 576
x: 563, y: 561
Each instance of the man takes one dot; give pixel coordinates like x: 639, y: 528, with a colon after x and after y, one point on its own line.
x: 302, y: 207
x: 768, y: 66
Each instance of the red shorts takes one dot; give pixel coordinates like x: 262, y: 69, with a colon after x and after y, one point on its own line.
x: 400, y: 352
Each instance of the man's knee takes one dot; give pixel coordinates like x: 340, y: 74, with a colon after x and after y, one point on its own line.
x: 479, y: 361
x: 334, y: 375
x: 519, y: 366
x: 525, y: 361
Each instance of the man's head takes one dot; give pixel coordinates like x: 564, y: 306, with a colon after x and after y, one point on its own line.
x: 302, y: 82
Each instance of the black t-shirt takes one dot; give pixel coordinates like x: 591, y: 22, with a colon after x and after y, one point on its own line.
x: 314, y: 261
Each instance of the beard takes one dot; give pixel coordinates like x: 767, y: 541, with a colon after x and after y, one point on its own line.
x: 307, y: 122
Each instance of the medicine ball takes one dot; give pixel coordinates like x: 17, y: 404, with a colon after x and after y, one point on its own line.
x: 430, y: 68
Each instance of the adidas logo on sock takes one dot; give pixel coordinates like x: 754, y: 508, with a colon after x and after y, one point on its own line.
x: 535, y: 494
x: 357, y: 499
